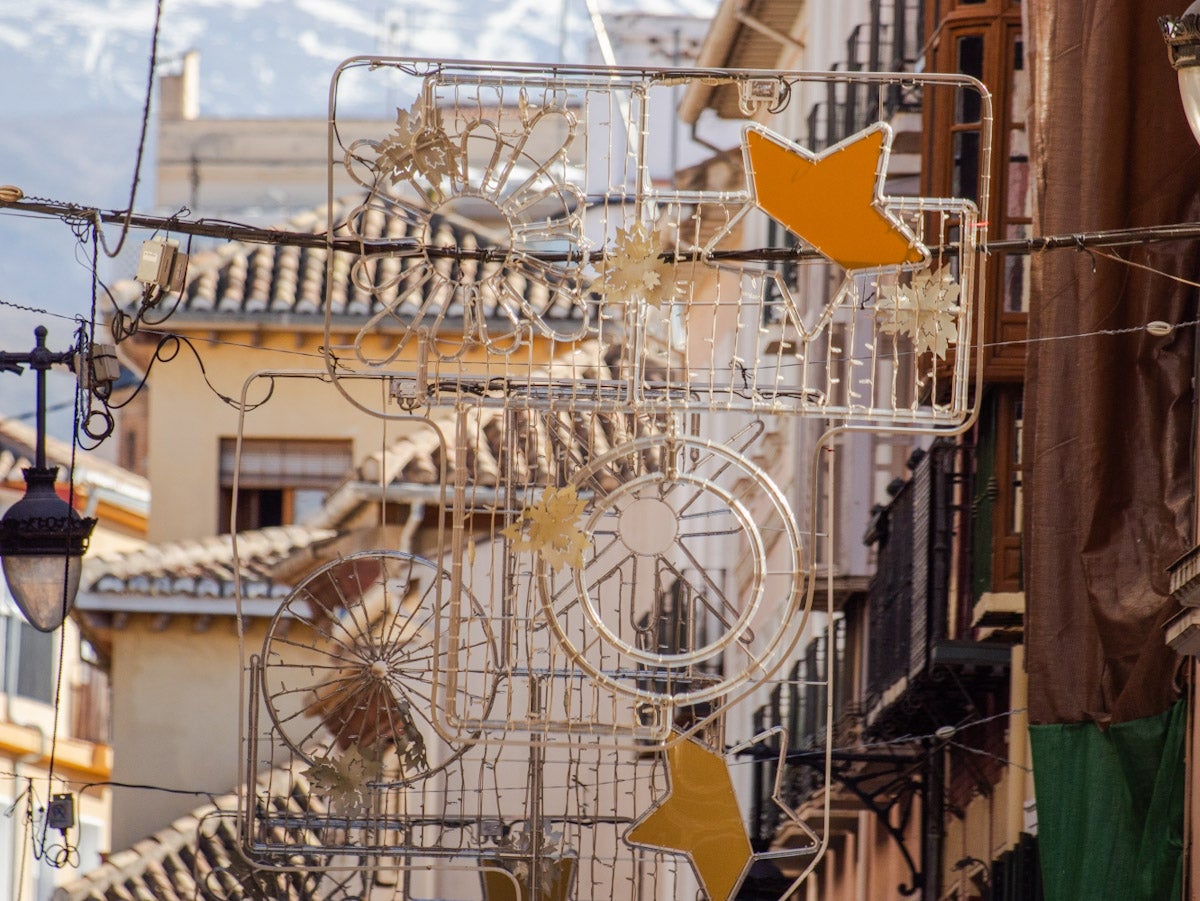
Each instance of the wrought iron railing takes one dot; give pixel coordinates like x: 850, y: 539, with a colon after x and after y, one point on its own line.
x: 800, y: 707
x: 890, y: 41
x: 910, y: 594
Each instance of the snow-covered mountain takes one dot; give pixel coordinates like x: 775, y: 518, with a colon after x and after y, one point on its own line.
x: 74, y: 81
x: 270, y: 57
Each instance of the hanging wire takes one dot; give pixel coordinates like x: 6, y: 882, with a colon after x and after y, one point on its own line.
x: 401, y: 247
x: 38, y: 310
x: 89, y: 392
x: 165, y: 351
x: 981, y: 752
x: 1151, y: 269
x: 137, y: 165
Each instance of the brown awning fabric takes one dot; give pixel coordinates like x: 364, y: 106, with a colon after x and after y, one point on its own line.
x: 1109, y: 419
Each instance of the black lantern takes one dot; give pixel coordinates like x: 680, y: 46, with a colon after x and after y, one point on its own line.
x: 42, y: 538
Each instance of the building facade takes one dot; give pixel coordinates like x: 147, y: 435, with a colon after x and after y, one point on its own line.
x: 54, y: 708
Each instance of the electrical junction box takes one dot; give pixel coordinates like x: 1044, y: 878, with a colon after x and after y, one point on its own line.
x: 162, y: 264
x: 104, y: 367
x: 60, y: 812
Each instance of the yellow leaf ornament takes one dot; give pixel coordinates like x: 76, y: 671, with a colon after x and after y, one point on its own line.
x: 346, y: 779
x: 550, y: 527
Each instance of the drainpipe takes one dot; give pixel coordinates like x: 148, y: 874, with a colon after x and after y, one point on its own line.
x: 1018, y: 746
x: 932, y: 812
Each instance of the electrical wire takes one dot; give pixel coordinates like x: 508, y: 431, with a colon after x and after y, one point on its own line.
x: 235, y: 231
x: 137, y: 165
x: 251, y: 234
x: 983, y: 753
x: 41, y: 849
x: 162, y: 354
x: 38, y: 310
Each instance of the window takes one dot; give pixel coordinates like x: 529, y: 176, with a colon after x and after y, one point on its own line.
x: 1006, y: 545
x: 280, y: 481
x: 1014, y: 289
x: 998, y: 503
x: 29, y: 657
x: 983, y: 39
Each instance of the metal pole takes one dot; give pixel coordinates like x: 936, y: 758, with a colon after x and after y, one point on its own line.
x: 39, y: 360
x: 38, y: 352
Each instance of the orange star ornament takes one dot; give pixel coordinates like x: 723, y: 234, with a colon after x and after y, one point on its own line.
x: 832, y: 200
x: 699, y: 817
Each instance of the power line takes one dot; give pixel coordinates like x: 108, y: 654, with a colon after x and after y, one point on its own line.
x: 251, y: 234
x: 137, y: 165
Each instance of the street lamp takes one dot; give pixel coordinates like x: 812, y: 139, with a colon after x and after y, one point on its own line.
x: 1182, y: 35
x: 42, y: 538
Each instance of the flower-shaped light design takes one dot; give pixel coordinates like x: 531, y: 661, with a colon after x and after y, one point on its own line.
x: 499, y: 226
x: 926, y: 310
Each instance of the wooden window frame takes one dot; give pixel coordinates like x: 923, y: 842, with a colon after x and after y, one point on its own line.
x: 1008, y: 510
x: 253, y: 487
x: 998, y: 23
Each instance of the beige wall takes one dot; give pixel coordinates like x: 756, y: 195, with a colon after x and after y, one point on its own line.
x: 188, y: 420
x: 175, y: 718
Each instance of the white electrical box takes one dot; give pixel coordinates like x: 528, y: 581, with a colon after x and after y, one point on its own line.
x: 162, y: 264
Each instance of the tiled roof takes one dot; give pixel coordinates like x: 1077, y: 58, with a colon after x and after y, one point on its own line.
x: 197, y: 857
x: 17, y: 442
x: 535, y: 453
x: 197, y: 569
x: 239, y: 279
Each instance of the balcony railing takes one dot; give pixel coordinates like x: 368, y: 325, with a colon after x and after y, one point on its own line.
x: 890, y: 41
x: 909, y: 596
x: 799, y: 706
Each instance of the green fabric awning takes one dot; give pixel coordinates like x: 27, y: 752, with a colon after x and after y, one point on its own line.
x: 1110, y: 808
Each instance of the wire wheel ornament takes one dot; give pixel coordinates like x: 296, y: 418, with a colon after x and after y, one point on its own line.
x: 497, y: 186
x: 361, y: 660
x: 693, y: 580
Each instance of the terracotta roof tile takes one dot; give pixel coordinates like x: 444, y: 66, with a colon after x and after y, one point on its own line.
x: 17, y: 442
x: 243, y: 279
x: 200, y: 569
x: 197, y: 851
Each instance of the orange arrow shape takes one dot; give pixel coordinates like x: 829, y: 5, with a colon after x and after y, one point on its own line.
x: 699, y: 816
x: 832, y: 200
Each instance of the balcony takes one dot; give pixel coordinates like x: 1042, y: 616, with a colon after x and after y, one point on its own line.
x: 924, y: 670
x: 799, y: 706
x: 890, y: 41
